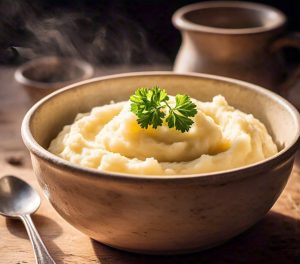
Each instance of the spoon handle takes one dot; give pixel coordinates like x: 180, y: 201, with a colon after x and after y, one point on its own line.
x: 41, y: 253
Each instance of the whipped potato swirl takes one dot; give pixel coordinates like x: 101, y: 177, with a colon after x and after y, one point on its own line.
x: 110, y: 139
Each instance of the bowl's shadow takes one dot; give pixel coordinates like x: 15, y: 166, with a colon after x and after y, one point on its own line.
x: 275, y: 239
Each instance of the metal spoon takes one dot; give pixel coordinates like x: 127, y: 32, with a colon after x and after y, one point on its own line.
x: 18, y: 200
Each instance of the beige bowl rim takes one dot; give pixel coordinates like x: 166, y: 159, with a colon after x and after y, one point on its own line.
x: 205, y: 178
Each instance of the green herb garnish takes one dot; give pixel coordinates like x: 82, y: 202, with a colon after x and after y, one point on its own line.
x: 150, y: 104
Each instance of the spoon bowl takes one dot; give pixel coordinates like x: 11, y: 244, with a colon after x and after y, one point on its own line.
x: 19, y: 200
x: 17, y: 197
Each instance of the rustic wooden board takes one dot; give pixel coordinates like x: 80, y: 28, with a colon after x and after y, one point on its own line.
x: 275, y: 239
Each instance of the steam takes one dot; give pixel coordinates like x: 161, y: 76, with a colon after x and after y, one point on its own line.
x: 98, y: 37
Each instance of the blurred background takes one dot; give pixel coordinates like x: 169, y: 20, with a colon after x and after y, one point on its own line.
x: 105, y: 32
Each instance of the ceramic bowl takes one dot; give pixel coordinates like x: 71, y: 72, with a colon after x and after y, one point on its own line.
x: 44, y: 75
x: 154, y: 214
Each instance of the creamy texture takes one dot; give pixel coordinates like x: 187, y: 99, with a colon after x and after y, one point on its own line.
x: 110, y: 139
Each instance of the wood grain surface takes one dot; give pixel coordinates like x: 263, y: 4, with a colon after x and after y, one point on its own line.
x: 275, y: 239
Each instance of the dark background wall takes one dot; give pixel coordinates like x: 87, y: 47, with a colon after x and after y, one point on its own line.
x: 101, y: 31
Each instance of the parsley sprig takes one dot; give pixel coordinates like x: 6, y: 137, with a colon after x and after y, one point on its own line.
x: 150, y: 104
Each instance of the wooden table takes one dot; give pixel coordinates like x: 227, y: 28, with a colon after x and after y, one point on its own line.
x: 275, y: 239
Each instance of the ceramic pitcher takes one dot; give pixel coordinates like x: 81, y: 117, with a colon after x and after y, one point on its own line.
x: 235, y: 39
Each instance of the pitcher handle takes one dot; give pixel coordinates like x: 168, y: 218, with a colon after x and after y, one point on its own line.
x: 291, y: 40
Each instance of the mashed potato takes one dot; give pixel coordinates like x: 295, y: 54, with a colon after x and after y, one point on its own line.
x: 110, y: 139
